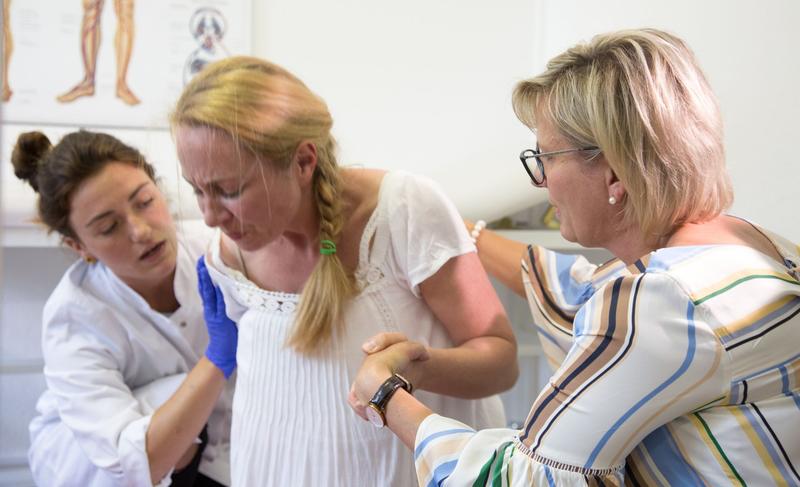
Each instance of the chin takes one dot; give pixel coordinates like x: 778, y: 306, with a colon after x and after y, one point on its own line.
x: 250, y: 244
x: 567, y: 234
x: 167, y: 264
x: 165, y: 269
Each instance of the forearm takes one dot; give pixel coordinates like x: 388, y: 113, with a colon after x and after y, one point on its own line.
x: 178, y: 422
x: 404, y: 414
x: 501, y: 258
x: 477, y: 368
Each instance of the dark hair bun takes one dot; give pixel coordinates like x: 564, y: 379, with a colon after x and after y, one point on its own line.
x: 30, y: 149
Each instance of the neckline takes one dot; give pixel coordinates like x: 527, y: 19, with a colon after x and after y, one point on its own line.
x: 774, y: 240
x: 240, y: 257
x: 642, y: 264
x: 242, y: 278
x: 369, y: 228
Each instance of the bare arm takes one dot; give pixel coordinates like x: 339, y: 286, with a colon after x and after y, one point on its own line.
x: 500, y: 257
x: 404, y: 414
x: 483, y: 360
x: 175, y: 425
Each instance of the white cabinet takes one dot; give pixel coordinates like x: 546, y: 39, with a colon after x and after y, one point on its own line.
x: 29, y: 275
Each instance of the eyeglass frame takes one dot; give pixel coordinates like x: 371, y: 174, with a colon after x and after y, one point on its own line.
x: 536, y: 154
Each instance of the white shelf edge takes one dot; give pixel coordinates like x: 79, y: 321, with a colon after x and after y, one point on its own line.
x: 529, y: 350
x: 550, y: 239
x: 30, y: 236
x: 21, y: 366
x: 35, y: 236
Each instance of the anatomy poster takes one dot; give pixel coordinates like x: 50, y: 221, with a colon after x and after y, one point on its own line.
x: 111, y: 63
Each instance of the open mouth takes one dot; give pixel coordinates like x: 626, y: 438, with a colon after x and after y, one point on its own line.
x: 154, y: 250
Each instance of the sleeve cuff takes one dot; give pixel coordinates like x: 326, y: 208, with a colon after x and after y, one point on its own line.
x: 133, y: 454
x: 439, y: 259
x: 132, y: 446
x: 438, y: 446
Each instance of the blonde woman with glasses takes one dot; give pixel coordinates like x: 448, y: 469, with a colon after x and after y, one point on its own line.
x: 675, y: 363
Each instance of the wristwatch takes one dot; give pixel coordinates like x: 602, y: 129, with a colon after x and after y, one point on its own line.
x: 376, y: 409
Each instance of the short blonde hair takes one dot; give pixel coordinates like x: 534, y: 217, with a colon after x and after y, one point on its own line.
x: 641, y: 97
x: 269, y: 112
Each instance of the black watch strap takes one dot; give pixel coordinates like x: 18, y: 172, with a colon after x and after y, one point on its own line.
x: 387, y: 390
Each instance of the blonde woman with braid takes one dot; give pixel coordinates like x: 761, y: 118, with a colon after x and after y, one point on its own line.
x: 319, y: 265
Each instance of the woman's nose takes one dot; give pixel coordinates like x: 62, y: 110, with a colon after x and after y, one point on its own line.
x: 140, y: 229
x: 213, y: 213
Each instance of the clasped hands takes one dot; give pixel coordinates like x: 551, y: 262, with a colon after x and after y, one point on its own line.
x: 387, y: 353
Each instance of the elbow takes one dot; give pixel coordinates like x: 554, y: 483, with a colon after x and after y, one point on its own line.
x: 509, y: 375
x: 513, y: 373
x: 506, y: 368
x: 500, y: 381
x: 519, y: 288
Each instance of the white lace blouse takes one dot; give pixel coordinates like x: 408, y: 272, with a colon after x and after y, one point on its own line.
x: 291, y: 421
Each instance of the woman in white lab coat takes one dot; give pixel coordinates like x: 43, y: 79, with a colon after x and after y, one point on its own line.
x: 137, y: 390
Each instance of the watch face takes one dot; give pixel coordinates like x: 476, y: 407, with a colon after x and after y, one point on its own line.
x: 374, y: 416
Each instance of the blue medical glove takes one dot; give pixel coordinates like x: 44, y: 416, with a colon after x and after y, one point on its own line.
x: 223, y: 334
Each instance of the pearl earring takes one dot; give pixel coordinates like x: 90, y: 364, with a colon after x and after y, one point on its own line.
x: 612, y: 200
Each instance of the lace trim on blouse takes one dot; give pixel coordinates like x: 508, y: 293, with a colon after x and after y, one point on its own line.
x: 369, y: 273
x: 253, y: 296
x: 371, y: 257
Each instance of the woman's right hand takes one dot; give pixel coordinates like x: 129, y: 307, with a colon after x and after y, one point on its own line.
x: 223, y: 334
x: 387, y: 353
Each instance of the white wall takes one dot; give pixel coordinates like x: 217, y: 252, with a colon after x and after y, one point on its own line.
x: 420, y: 85
x: 28, y: 277
x: 426, y: 85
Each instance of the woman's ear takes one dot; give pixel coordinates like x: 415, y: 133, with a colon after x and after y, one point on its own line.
x: 305, y: 161
x: 73, y: 244
x: 615, y: 187
x: 79, y: 248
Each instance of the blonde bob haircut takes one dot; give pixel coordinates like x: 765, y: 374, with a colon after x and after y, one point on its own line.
x: 640, y: 96
x: 268, y: 111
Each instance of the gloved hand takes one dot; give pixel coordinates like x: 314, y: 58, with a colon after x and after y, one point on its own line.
x: 223, y: 334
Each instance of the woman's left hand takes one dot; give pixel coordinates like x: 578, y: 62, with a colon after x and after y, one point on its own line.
x: 387, y: 353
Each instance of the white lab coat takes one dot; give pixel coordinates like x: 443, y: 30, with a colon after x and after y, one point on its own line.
x: 110, y: 360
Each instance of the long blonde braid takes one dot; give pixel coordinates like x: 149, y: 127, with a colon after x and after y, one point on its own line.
x: 330, y: 285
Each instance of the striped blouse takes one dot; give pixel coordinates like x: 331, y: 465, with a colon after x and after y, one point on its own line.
x: 680, y: 369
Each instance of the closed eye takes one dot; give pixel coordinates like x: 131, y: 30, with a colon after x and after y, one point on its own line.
x: 144, y: 204
x: 229, y: 191
x: 231, y: 195
x: 109, y: 229
x: 216, y: 190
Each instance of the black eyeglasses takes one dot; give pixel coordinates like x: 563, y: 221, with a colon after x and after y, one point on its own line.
x: 537, y: 173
